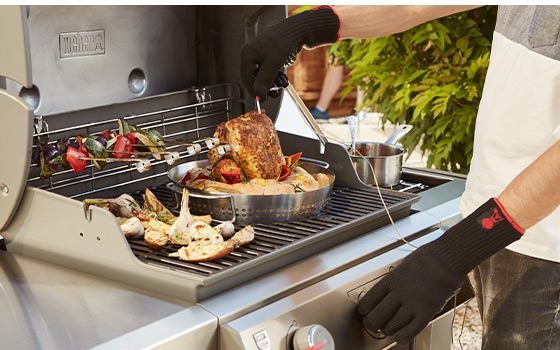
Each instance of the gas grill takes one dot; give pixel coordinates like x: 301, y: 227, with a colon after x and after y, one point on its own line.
x: 183, y: 85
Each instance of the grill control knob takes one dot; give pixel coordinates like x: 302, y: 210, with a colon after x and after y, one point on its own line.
x: 313, y: 337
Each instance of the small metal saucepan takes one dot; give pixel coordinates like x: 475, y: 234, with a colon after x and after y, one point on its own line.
x: 386, y: 158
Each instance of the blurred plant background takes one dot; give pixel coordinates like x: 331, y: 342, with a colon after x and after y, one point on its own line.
x: 431, y: 77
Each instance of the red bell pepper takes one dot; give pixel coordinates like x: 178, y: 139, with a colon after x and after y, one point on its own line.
x: 188, y: 176
x: 232, y: 177
x: 285, y: 172
x: 73, y: 158
x: 292, y: 160
x: 122, y: 145
x: 108, y: 134
x: 132, y: 137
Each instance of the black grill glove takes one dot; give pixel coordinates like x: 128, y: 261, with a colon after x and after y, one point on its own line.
x: 266, y: 54
x: 407, y: 298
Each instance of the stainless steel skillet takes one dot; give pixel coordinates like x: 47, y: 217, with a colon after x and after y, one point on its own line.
x: 246, y: 208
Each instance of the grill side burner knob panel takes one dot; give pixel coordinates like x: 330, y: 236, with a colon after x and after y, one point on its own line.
x: 313, y: 337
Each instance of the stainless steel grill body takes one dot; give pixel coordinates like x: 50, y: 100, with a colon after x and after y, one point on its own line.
x: 70, y: 266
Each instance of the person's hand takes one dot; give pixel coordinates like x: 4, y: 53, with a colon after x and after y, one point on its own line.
x: 405, y: 301
x: 266, y: 54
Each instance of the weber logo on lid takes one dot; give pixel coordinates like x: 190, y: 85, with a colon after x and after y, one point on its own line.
x: 85, y: 43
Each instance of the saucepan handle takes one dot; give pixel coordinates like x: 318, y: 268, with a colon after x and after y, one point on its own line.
x: 400, y: 131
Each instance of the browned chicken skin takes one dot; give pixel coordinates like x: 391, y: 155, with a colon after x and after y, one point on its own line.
x: 226, y: 165
x: 255, y: 145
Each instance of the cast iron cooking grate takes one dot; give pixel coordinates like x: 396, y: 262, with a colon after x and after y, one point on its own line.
x: 347, y: 207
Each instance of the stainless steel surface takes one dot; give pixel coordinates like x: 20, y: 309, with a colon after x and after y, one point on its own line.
x: 400, y: 131
x: 15, y: 57
x: 51, y: 307
x: 310, y: 121
x: 330, y: 302
x: 94, y: 79
x: 380, y: 164
x: 245, y: 208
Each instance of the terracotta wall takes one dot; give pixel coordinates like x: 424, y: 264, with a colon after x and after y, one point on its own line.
x: 307, y: 73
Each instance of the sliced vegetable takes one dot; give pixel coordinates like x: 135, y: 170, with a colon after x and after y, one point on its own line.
x: 49, y: 152
x: 122, y: 145
x: 35, y: 156
x: 152, y: 203
x: 61, y: 160
x: 292, y: 161
x: 46, y: 169
x: 188, y: 176
x: 285, y: 172
x: 132, y: 137
x: 108, y: 134
x: 143, y: 137
x: 122, y: 206
x: 110, y: 144
x: 73, y: 157
x: 81, y: 147
x: 62, y: 145
x: 97, y: 150
x: 232, y: 177
x: 124, y: 128
x: 102, y: 140
x: 95, y: 147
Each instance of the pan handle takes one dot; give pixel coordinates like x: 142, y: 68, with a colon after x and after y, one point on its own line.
x: 400, y: 131
x: 211, y: 196
x: 318, y: 162
x: 177, y: 189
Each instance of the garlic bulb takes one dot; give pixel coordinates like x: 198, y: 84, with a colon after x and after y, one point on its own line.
x: 123, y: 205
x: 132, y: 228
x: 226, y: 229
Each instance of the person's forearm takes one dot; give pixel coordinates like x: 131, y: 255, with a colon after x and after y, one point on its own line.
x: 374, y: 21
x: 534, y: 193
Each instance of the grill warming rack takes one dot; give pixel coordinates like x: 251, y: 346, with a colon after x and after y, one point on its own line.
x: 193, y: 117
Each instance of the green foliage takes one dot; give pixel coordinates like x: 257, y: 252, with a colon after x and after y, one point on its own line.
x: 431, y: 77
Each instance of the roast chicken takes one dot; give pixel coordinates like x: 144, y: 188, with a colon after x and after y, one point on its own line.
x: 255, y: 147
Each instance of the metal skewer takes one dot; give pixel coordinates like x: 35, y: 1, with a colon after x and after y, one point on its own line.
x: 141, y: 164
x: 210, y: 143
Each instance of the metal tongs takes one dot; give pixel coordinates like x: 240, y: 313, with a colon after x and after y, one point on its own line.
x: 282, y: 81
